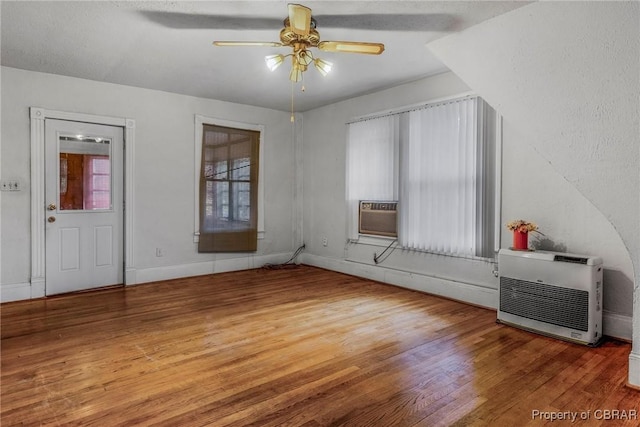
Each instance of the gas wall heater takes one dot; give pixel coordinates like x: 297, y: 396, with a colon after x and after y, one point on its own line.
x: 552, y: 293
x: 378, y: 218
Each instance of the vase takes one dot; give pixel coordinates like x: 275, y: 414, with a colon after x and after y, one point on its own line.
x: 521, y: 240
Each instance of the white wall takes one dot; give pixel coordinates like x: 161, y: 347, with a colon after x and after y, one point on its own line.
x: 565, y: 77
x: 164, y: 173
x: 324, y: 202
x: 531, y: 189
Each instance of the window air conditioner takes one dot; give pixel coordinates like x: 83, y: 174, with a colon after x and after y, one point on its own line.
x: 378, y: 218
x: 551, y: 293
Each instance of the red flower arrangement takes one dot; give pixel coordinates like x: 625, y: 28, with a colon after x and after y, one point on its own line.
x: 522, y: 226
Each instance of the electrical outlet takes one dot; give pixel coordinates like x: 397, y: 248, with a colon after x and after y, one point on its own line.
x: 325, y: 241
x: 159, y: 252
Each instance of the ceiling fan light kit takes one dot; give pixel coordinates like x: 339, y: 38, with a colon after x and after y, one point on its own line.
x: 300, y: 34
x: 324, y: 67
x: 296, y: 72
x: 274, y: 61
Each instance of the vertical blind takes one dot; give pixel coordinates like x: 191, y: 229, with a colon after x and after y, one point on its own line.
x: 436, y: 161
x: 372, y: 157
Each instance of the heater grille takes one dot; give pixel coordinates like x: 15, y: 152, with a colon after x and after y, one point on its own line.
x: 546, y: 303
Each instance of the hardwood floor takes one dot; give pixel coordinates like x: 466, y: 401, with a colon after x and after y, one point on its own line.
x: 294, y: 347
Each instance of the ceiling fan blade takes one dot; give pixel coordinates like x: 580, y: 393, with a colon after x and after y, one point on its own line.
x: 372, y: 22
x: 299, y: 19
x: 390, y: 21
x: 352, y: 47
x: 195, y: 21
x: 248, y: 43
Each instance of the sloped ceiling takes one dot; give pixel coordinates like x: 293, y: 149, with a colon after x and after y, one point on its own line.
x: 168, y: 45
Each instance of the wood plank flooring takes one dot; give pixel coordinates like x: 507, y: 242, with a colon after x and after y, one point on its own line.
x: 293, y: 347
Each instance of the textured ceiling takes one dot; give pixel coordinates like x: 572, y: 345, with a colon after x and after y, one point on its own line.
x: 167, y: 45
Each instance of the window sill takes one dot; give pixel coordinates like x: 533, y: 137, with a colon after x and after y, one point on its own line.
x: 373, y: 240
x: 196, y: 236
x: 382, y: 241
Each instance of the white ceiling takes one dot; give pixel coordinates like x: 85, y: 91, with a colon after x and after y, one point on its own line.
x: 167, y: 45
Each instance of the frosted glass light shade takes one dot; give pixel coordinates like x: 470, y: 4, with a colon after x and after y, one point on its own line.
x: 273, y: 61
x: 304, y: 57
x: 324, y: 67
x: 296, y: 74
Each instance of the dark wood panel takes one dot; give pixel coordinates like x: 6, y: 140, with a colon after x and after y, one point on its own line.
x: 294, y: 347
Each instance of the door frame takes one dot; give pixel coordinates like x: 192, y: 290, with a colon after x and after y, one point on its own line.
x: 38, y: 203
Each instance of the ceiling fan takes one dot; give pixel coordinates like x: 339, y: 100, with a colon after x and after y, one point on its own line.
x: 300, y: 34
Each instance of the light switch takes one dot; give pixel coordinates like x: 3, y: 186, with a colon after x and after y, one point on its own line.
x: 10, y: 185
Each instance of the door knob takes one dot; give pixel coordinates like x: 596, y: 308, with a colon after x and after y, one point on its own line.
x: 51, y: 207
x: 51, y: 219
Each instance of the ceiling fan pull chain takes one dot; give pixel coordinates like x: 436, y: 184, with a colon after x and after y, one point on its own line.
x: 293, y: 117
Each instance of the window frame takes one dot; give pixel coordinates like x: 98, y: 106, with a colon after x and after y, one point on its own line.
x: 200, y: 121
x: 383, y: 241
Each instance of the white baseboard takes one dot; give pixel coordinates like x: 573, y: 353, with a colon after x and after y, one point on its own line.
x: 169, y: 272
x: 15, y: 292
x: 465, y: 292
x: 25, y: 291
x: 634, y: 370
x: 617, y: 325
x: 130, y: 276
x: 614, y: 325
x: 37, y: 287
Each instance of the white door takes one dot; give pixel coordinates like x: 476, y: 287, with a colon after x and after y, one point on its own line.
x: 84, y: 206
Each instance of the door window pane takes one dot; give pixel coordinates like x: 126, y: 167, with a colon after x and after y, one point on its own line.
x: 85, y: 173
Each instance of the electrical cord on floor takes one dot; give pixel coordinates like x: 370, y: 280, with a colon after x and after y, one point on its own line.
x: 288, y: 264
x: 377, y: 258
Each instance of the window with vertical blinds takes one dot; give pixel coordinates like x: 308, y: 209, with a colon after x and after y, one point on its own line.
x: 438, y: 161
x: 228, y: 190
x: 372, y: 157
